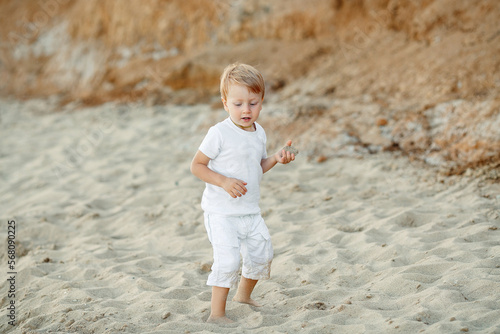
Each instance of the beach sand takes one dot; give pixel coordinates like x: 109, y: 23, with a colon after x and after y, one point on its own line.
x: 110, y: 235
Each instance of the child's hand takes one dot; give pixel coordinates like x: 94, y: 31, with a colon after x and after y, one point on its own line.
x: 235, y: 187
x: 285, y: 157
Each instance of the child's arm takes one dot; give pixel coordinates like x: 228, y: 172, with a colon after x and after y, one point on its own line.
x: 199, y: 167
x: 282, y: 157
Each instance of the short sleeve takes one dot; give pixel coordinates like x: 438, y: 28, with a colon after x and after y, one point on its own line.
x: 212, y: 143
x: 264, y: 140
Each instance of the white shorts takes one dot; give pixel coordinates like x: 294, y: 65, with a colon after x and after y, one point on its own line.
x: 230, y: 235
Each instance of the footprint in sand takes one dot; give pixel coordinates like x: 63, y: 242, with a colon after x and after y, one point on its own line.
x: 321, y: 252
x: 408, y: 219
x: 253, y: 321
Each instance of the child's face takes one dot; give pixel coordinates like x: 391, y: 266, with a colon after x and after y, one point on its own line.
x: 243, y: 106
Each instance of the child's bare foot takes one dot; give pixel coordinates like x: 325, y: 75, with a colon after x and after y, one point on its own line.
x: 219, y: 320
x: 248, y: 301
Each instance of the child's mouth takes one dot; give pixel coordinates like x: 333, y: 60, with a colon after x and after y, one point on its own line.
x: 246, y: 119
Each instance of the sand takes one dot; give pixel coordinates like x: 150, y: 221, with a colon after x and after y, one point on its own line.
x: 110, y: 235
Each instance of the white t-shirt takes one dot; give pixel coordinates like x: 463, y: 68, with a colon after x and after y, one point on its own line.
x: 234, y: 153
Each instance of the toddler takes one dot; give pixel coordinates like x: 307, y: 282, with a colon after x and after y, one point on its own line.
x: 231, y: 160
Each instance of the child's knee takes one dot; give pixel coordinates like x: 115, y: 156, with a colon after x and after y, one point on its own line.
x: 231, y: 263
x: 227, y: 259
x: 226, y: 268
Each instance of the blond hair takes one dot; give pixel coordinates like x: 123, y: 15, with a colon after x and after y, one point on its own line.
x: 241, y: 74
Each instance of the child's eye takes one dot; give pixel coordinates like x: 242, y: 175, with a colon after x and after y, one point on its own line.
x: 238, y: 104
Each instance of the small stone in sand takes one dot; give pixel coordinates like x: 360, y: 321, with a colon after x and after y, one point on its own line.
x: 205, y: 267
x: 316, y: 306
x: 166, y: 315
x: 321, y: 159
x: 381, y: 122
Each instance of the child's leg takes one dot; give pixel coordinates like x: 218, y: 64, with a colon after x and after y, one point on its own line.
x: 218, y: 312
x: 257, y: 252
x: 225, y: 269
x: 245, y: 290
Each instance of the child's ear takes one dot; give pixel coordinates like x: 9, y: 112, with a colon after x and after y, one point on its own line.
x: 224, y: 102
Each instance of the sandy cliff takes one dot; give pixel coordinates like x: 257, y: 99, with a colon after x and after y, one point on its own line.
x: 422, y: 77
